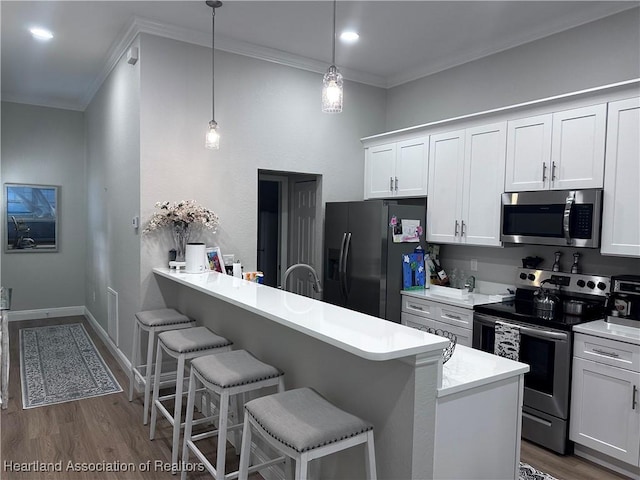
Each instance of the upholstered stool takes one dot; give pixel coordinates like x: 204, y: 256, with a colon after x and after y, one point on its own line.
x: 153, y: 322
x: 303, y: 425
x: 184, y: 344
x: 229, y: 374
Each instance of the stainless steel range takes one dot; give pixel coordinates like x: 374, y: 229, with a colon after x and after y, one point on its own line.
x: 546, y: 307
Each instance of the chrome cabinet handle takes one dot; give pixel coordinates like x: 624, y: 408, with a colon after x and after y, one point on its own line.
x: 462, y: 229
x: 396, y: 184
x: 415, y: 307
x: 544, y: 172
x: 634, y: 402
x: 391, y: 184
x: 553, y: 171
x: 455, y: 233
x: 605, y: 353
x: 455, y: 317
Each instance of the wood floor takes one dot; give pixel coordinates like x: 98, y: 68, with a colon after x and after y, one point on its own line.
x: 107, y: 432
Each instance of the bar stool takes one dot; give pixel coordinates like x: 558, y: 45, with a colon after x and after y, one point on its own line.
x: 303, y: 425
x: 229, y: 374
x: 152, y: 321
x: 184, y: 344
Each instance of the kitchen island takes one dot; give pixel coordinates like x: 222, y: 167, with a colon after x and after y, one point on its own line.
x: 383, y: 372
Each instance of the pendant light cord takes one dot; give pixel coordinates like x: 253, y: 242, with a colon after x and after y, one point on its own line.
x: 213, y: 74
x: 333, y: 56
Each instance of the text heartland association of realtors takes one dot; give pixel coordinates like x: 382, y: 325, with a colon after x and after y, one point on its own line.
x: 60, y: 466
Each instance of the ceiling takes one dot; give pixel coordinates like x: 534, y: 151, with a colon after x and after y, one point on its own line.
x: 399, y: 41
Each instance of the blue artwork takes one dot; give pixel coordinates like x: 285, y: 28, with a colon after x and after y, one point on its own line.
x: 413, y: 273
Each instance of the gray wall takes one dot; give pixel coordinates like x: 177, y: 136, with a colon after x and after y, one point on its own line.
x: 113, y: 198
x: 594, y: 54
x: 599, y: 53
x: 269, y: 117
x: 46, y: 146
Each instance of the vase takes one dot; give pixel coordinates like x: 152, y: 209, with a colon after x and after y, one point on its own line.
x: 181, y: 238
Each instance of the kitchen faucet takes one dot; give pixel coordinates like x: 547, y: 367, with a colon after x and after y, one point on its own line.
x: 470, y: 283
x: 312, y: 273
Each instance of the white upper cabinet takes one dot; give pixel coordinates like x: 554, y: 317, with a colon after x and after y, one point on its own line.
x: 397, y: 169
x: 621, y: 199
x: 559, y: 151
x: 466, y: 178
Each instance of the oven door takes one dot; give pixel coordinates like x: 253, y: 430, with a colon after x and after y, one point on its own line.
x: 548, y: 354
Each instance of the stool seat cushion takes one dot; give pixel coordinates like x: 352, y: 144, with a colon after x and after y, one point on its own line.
x: 304, y: 420
x: 161, y: 317
x: 192, y: 339
x: 230, y: 369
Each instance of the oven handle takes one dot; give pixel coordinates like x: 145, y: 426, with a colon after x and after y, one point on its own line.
x: 534, y: 332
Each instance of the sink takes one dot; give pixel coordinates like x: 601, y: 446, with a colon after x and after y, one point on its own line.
x: 483, y: 291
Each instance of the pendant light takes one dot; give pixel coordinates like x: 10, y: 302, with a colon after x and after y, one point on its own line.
x: 332, y: 81
x: 213, y: 135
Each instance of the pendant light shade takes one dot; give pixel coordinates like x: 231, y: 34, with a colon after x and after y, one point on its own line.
x: 332, y: 81
x: 212, y: 140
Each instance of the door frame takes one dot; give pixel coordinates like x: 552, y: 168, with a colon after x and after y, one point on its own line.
x: 283, y: 218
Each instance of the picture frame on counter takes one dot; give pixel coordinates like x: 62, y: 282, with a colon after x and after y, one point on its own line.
x: 215, y: 260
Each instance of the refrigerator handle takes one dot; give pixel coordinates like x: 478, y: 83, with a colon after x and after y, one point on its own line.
x: 340, y: 265
x: 344, y: 266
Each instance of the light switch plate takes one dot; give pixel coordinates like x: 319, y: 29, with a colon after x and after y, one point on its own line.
x: 474, y: 265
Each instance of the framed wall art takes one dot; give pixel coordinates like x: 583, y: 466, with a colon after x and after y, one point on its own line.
x: 31, y: 217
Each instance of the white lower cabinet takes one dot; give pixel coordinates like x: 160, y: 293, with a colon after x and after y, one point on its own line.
x: 423, y: 314
x: 605, y: 403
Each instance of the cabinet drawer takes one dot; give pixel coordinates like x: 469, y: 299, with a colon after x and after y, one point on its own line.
x: 459, y: 317
x: 464, y: 335
x: 609, y: 352
x: 418, y: 306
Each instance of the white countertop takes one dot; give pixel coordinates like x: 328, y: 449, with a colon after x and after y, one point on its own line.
x: 469, y: 368
x: 363, y: 335
x: 600, y: 328
x: 457, y: 298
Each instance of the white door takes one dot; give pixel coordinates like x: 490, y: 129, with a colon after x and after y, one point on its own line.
x: 621, y: 199
x: 303, y: 237
x: 380, y: 171
x: 577, y: 151
x: 484, y: 167
x: 602, y: 414
x: 412, y: 159
x: 446, y: 159
x: 528, y: 154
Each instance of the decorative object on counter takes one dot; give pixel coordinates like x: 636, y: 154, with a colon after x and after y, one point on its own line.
x: 216, y: 259
x: 556, y: 262
x: 195, y: 258
x: 527, y: 472
x: 575, y: 268
x: 447, y: 352
x: 183, y: 219
x: 531, y: 262
x: 623, y: 303
x: 332, y: 80
x: 237, y: 269
x: 413, y: 271
x: 60, y: 364
x: 212, y: 139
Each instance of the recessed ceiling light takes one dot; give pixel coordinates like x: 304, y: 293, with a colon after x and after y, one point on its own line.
x: 349, y: 36
x: 41, y: 34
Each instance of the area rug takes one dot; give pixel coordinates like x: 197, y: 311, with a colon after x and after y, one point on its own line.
x: 527, y: 472
x: 61, y: 364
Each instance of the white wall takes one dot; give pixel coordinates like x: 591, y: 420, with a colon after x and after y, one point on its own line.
x: 269, y: 117
x: 594, y: 54
x: 113, y: 198
x: 46, y: 146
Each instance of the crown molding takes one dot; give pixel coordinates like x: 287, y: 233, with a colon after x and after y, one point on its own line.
x: 42, y: 102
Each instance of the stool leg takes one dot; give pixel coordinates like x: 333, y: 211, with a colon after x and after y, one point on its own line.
x: 147, y: 373
x: 134, y: 359
x: 156, y: 391
x: 177, y: 413
x: 245, y: 452
x: 188, y: 423
x: 302, y: 464
x: 222, y: 435
x: 370, y: 457
x: 236, y: 417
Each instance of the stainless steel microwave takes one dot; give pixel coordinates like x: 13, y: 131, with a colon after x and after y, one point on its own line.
x: 552, y: 217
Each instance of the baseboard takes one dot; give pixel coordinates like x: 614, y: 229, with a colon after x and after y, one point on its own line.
x: 19, y: 315
x: 120, y: 357
x: 606, y: 461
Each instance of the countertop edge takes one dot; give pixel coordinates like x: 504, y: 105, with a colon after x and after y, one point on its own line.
x: 602, y: 329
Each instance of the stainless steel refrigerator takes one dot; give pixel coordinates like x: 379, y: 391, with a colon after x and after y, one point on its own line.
x: 362, y: 264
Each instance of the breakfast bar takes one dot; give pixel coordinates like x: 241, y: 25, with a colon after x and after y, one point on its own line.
x: 386, y: 373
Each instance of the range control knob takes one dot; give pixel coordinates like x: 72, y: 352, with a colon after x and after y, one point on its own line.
x: 602, y: 285
x: 523, y: 276
x: 531, y: 277
x: 591, y: 284
x: 581, y: 283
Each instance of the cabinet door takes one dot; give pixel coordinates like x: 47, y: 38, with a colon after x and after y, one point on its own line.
x: 484, y: 167
x: 577, y: 148
x: 528, y: 154
x: 380, y: 171
x: 621, y: 199
x: 602, y: 414
x: 411, y: 167
x: 446, y: 159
